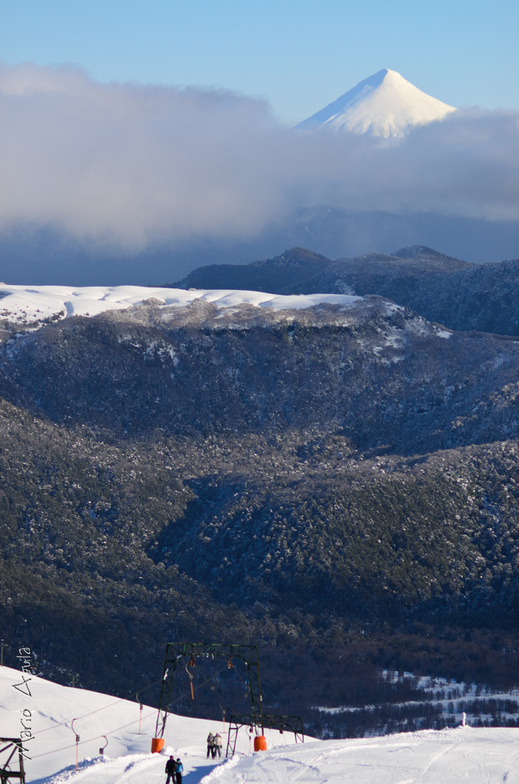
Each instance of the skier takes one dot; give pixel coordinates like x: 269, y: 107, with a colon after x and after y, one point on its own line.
x: 210, y: 741
x: 180, y: 769
x: 171, y: 770
x: 217, y: 742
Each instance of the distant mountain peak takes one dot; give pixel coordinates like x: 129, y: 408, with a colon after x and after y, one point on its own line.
x: 384, y: 105
x: 412, y: 251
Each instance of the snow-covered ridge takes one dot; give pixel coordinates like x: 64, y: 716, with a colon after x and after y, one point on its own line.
x: 385, y: 105
x: 37, y: 304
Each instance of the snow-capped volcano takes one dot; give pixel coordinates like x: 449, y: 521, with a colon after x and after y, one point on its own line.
x: 385, y: 105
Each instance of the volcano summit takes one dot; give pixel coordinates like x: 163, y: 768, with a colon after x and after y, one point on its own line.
x: 385, y: 105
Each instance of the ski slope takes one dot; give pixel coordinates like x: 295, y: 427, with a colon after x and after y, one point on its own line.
x: 48, y: 710
x: 463, y: 754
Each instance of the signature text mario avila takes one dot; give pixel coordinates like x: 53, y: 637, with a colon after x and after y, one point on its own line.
x: 25, y: 657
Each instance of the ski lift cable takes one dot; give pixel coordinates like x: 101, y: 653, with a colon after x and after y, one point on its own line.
x: 222, y: 699
x: 78, y: 718
x: 200, y: 685
x: 97, y: 710
x: 117, y: 729
x: 89, y: 740
x: 144, y: 688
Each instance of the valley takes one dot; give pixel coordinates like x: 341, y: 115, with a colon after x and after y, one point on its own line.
x: 336, y: 482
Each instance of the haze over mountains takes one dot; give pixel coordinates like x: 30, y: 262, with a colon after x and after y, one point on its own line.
x: 111, y: 184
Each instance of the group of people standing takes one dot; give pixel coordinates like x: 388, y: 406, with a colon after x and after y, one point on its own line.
x: 174, y: 770
x: 174, y: 767
x: 214, y: 745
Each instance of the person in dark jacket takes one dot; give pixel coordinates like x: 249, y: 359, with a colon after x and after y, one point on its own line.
x: 171, y: 770
x: 180, y: 770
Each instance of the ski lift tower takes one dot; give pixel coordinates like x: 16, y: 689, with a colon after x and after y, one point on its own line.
x: 177, y: 653
x: 11, y: 761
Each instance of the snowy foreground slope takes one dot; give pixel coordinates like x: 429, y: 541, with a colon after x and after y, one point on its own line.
x: 50, y: 708
x: 476, y: 756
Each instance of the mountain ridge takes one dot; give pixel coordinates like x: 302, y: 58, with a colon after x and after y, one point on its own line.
x: 462, y: 295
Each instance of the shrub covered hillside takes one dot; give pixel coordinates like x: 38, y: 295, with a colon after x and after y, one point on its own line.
x: 339, y: 486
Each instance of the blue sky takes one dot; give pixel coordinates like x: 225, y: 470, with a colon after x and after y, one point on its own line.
x: 297, y: 54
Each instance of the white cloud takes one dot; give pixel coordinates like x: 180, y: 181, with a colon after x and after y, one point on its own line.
x: 130, y: 165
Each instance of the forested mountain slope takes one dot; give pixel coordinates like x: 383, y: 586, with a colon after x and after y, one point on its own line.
x: 338, y: 484
x: 377, y: 373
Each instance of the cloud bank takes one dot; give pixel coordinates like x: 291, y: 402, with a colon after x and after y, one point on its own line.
x: 132, y: 165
